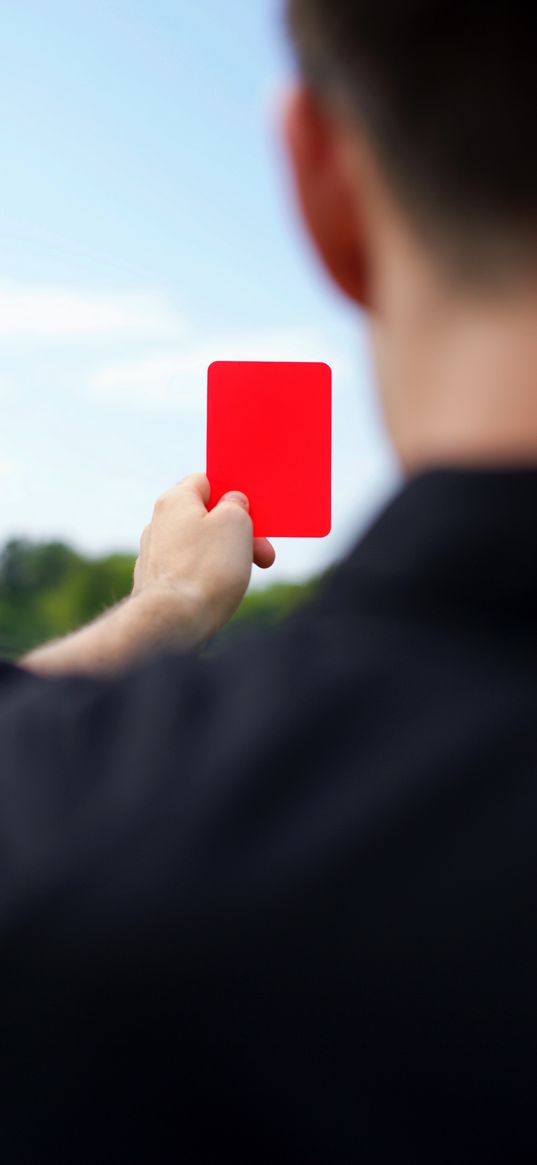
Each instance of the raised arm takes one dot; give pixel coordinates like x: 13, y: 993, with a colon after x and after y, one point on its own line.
x: 191, y: 574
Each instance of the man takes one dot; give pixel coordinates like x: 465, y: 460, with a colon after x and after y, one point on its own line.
x: 280, y: 904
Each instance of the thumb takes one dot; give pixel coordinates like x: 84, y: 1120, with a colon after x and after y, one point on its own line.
x: 237, y: 497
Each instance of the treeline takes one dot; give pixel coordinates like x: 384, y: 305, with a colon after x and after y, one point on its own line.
x: 48, y: 590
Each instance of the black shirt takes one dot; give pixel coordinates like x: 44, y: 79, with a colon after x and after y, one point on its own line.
x: 281, y: 904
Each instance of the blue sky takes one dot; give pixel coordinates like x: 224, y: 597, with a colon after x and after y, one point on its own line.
x: 147, y: 227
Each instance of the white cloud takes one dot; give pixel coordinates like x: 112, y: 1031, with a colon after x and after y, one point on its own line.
x: 58, y: 312
x: 177, y: 381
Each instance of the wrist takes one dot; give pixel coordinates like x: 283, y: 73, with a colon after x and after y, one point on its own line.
x: 174, y: 615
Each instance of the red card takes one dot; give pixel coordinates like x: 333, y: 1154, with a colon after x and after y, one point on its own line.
x: 269, y: 434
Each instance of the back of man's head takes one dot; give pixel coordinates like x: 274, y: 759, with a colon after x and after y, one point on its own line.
x: 447, y: 94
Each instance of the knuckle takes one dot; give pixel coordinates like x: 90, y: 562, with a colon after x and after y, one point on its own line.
x: 161, y: 503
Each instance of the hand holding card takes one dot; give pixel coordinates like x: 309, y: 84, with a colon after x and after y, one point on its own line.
x: 269, y: 434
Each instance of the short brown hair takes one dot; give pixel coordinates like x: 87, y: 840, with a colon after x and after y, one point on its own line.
x: 447, y: 93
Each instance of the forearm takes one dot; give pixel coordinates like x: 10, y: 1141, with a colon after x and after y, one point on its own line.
x: 135, y: 628
x: 191, y: 574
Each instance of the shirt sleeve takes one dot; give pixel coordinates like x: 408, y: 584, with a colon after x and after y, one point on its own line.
x: 148, y: 832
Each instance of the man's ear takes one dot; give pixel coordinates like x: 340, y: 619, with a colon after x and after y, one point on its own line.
x: 327, y: 197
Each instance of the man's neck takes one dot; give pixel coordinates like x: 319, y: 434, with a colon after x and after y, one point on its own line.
x: 459, y: 378
x: 456, y: 358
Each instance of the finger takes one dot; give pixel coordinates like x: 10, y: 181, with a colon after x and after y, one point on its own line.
x: 232, y: 514
x: 195, y: 488
x: 264, y: 553
x: 198, y: 485
x: 236, y: 497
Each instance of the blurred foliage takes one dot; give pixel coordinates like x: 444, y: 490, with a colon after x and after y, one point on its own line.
x: 48, y: 590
